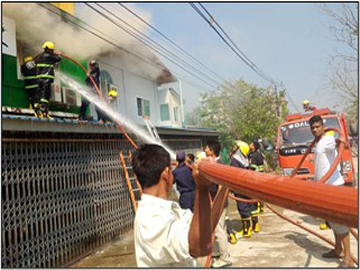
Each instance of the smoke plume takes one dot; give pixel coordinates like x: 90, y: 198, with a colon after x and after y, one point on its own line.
x: 35, y: 24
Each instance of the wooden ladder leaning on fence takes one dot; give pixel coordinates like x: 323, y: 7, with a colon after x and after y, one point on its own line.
x: 128, y: 179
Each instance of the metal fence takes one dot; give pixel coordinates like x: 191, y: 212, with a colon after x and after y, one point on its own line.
x: 62, y: 199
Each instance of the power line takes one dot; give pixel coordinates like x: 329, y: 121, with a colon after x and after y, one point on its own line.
x: 172, y: 42
x: 140, y: 37
x: 142, y: 41
x: 137, y: 55
x: 229, y: 45
x: 239, y: 53
x: 234, y: 44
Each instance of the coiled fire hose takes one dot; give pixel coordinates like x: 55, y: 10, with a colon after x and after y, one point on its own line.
x: 100, y: 95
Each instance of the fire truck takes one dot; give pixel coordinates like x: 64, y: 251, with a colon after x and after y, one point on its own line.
x: 294, y: 137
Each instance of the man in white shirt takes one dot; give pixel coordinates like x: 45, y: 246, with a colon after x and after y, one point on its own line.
x: 166, y: 235
x: 325, y: 154
x: 212, y: 151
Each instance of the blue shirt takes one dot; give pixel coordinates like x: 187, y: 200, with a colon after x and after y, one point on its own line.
x: 183, y: 178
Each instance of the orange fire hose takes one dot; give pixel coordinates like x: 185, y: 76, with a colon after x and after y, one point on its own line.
x: 307, y: 229
x: 323, y: 180
x: 100, y: 95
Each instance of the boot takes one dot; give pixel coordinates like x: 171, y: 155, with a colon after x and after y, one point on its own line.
x: 255, y: 224
x: 44, y: 108
x: 37, y: 111
x: 246, y: 231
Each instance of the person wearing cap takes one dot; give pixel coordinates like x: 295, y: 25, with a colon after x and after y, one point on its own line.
x: 184, y: 181
x: 307, y: 107
x: 95, y: 75
x: 28, y: 69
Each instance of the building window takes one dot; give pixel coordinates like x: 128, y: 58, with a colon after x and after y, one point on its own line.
x: 176, y: 114
x: 143, y: 107
x: 164, y: 112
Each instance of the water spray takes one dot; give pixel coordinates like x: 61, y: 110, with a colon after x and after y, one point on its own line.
x: 114, y: 115
x: 100, y: 95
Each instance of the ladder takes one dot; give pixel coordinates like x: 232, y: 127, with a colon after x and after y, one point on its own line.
x: 151, y: 128
x: 131, y: 180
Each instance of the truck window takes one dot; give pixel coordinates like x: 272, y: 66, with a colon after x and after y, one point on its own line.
x: 299, y: 133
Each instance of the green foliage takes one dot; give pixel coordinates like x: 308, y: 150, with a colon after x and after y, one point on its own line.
x: 242, y: 111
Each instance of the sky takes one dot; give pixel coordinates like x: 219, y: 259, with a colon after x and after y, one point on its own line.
x: 289, y: 42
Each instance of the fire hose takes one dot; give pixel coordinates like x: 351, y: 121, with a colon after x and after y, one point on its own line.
x: 323, y: 180
x: 100, y: 95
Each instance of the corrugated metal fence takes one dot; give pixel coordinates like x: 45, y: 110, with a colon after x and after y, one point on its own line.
x: 62, y: 199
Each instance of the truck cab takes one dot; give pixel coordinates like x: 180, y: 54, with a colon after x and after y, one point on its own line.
x: 294, y: 137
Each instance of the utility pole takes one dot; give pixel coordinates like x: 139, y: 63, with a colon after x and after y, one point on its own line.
x: 277, y: 103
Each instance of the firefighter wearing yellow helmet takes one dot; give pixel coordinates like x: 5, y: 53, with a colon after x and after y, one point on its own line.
x: 307, y: 107
x: 29, y: 71
x: 45, y: 63
x: 239, y: 159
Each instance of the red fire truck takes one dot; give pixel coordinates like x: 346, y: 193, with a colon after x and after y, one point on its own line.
x: 294, y: 137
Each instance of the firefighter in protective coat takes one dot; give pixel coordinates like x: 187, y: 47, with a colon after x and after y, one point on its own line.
x: 29, y: 71
x: 45, y: 75
x: 239, y: 158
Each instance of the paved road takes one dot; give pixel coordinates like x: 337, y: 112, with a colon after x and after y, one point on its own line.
x: 279, y: 244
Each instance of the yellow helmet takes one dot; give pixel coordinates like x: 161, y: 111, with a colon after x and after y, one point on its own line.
x: 200, y: 156
x: 28, y: 58
x: 330, y: 133
x: 306, y: 102
x: 243, y: 146
x: 112, y: 93
x: 48, y: 44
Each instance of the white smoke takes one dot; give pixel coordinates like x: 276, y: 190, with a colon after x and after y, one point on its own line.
x: 35, y: 24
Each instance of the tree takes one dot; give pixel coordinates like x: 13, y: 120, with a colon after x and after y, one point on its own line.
x: 344, y: 62
x: 242, y: 111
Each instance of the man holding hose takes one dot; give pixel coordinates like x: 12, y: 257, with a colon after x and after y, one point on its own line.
x: 325, y: 154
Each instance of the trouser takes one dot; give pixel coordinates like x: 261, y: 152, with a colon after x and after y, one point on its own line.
x: 186, y: 200
x: 103, y: 116
x: 84, y: 105
x: 245, y: 209
x: 44, y: 94
x: 32, y: 93
x: 221, y: 237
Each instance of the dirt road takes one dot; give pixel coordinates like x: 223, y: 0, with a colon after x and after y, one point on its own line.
x: 278, y: 244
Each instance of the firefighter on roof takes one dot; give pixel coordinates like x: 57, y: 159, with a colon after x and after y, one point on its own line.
x: 45, y: 75
x: 307, y: 107
x: 28, y: 69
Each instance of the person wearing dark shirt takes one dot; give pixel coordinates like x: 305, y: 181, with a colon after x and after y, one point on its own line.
x: 256, y: 161
x: 45, y: 75
x: 28, y: 69
x: 95, y: 75
x: 185, y: 183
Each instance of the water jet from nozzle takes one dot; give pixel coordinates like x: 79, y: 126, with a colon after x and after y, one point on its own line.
x: 116, y: 116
